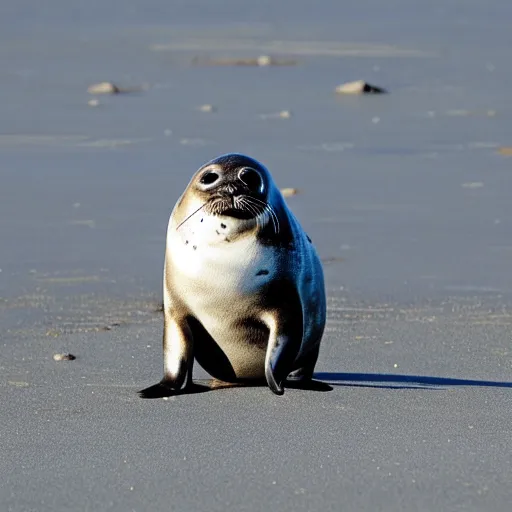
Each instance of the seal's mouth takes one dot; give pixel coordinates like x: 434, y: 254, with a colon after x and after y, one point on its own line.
x: 238, y: 206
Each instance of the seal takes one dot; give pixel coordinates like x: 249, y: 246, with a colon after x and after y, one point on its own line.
x: 244, y: 290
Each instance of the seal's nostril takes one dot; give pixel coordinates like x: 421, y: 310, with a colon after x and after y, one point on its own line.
x: 252, y: 179
x: 208, y: 178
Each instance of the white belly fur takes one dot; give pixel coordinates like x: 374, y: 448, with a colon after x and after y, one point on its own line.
x: 217, y: 278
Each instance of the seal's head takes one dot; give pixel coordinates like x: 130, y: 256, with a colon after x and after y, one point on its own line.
x: 234, y: 186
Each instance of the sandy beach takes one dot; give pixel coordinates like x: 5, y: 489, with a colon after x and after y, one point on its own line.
x: 406, y: 196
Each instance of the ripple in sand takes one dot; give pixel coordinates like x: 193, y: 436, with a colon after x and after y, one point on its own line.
x: 63, y: 141
x: 327, y: 146
x: 306, y: 48
x: 17, y: 140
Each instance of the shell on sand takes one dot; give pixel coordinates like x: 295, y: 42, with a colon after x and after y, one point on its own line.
x: 505, y: 151
x: 359, y: 87
x: 103, y: 88
x: 288, y: 192
x: 63, y: 357
x: 206, y: 108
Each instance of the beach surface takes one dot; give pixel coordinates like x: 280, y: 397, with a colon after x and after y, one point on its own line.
x: 406, y: 196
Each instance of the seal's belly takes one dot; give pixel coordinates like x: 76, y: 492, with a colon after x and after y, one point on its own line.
x: 243, y: 343
x: 231, y: 321
x: 221, y: 286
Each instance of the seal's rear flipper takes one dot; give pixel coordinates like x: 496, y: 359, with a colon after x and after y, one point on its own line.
x: 307, y: 384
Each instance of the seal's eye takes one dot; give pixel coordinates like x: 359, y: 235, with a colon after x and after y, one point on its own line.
x: 252, y: 179
x: 209, y: 177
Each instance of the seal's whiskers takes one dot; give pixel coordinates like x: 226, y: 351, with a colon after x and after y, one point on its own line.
x: 191, y: 215
x: 246, y: 205
x: 268, y: 208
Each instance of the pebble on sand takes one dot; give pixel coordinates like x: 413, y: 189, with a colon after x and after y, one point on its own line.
x: 93, y: 103
x: 103, y: 88
x: 206, y: 108
x: 359, y: 87
x: 264, y: 60
x: 63, y: 357
x: 283, y: 114
x: 288, y: 192
x: 505, y: 151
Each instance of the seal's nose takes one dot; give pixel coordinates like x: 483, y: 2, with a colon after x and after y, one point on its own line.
x: 252, y: 179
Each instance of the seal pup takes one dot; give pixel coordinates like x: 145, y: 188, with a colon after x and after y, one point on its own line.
x: 244, y: 289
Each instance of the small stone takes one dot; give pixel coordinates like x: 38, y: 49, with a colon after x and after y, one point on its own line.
x: 64, y: 357
x: 193, y: 142
x: 282, y: 114
x: 473, y: 184
x: 18, y: 383
x: 206, y: 108
x: 264, y: 60
x: 288, y: 192
x: 359, y: 87
x: 505, y: 151
x: 167, y: 132
x: 103, y: 88
x: 93, y: 103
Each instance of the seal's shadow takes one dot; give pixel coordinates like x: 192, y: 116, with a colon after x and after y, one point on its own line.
x: 204, y: 385
x: 325, y: 380
x: 391, y: 381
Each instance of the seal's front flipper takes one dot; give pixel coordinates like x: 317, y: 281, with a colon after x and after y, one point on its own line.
x: 178, y: 352
x: 274, y: 381
x: 283, y: 347
x: 157, y: 391
x: 160, y: 390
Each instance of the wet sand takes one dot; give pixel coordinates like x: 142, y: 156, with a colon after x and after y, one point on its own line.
x: 406, y: 196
